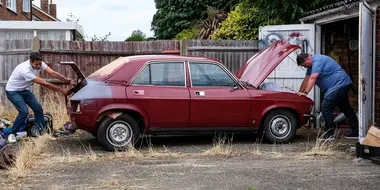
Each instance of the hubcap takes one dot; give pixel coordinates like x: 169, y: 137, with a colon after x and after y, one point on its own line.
x: 280, y: 127
x: 119, y: 133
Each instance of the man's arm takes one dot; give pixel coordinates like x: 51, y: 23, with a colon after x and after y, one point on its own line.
x: 311, y: 82
x: 56, y: 75
x: 304, y: 84
x: 42, y: 82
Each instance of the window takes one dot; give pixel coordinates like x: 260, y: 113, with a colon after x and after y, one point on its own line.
x: 26, y: 6
x: 162, y: 74
x: 209, y: 74
x: 11, y: 4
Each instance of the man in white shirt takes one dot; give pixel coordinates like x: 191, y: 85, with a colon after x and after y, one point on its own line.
x: 17, y: 90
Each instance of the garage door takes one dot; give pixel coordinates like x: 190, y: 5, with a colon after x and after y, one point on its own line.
x: 288, y: 73
x: 366, y: 68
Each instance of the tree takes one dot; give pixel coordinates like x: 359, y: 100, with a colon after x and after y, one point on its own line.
x: 237, y: 26
x: 72, y: 18
x: 174, y: 16
x: 187, y: 34
x: 137, y: 35
x: 244, y: 21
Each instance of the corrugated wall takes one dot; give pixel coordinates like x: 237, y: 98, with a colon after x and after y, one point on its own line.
x: 232, y: 53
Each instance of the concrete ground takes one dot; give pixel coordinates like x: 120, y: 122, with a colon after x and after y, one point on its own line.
x: 78, y: 162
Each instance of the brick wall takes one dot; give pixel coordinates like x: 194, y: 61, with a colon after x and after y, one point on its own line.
x: 40, y: 15
x: 336, y: 46
x: 377, y: 74
x: 6, y: 14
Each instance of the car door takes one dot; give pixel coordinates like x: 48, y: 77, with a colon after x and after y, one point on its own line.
x: 214, y: 101
x: 160, y: 89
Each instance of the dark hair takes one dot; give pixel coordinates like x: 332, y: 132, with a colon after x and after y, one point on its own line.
x: 35, y: 56
x: 301, y: 58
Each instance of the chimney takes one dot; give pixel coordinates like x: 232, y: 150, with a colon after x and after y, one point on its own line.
x: 45, y: 6
x: 53, y: 10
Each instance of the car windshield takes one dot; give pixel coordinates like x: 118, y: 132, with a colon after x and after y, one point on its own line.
x: 109, y: 68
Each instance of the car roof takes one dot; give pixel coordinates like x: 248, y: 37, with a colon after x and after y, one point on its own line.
x: 130, y: 65
x: 146, y: 58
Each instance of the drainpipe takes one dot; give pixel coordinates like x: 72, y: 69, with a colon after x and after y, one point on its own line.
x: 31, y: 10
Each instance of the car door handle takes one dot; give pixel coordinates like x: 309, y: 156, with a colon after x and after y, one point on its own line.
x: 138, y: 92
x: 199, y: 93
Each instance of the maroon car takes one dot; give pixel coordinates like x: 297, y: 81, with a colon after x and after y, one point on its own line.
x: 166, y: 94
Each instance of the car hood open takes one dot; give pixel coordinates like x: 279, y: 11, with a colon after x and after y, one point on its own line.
x: 259, y: 67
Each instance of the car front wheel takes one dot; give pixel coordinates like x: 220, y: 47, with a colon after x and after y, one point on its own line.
x: 280, y: 126
x: 119, y: 133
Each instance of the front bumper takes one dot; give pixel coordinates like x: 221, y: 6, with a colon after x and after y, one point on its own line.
x: 310, y: 118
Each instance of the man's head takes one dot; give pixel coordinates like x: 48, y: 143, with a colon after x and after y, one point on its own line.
x: 304, y: 60
x: 36, y: 60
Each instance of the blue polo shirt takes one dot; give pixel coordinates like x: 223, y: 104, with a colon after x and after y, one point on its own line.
x: 331, y: 74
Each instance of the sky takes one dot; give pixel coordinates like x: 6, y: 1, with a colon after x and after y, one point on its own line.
x: 98, y: 17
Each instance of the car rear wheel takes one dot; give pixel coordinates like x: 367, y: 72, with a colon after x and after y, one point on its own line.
x: 119, y: 133
x: 280, y: 126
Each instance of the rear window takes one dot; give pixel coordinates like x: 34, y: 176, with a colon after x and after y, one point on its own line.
x: 109, y: 68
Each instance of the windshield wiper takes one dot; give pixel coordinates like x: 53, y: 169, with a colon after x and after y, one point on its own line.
x: 247, y: 84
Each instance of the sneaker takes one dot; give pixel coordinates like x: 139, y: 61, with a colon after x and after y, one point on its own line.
x: 352, y: 135
x: 12, y: 138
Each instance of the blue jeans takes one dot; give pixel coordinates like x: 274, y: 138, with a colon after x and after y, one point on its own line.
x: 339, y: 98
x: 20, y: 99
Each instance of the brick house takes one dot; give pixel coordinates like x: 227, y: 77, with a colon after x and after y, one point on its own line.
x: 349, y: 32
x: 26, y: 10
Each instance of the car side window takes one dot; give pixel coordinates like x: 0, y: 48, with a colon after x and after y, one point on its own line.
x: 209, y: 74
x: 162, y: 74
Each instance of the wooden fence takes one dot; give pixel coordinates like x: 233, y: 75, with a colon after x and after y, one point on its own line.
x: 90, y: 56
x: 232, y: 53
x: 12, y: 52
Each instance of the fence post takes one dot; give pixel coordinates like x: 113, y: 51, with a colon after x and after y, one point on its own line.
x: 183, y: 47
x: 35, y: 48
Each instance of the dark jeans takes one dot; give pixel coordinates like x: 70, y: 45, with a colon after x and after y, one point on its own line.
x: 20, y: 99
x: 339, y: 98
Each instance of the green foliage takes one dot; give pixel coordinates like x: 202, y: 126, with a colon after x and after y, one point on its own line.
x: 174, y: 16
x: 187, y: 34
x: 244, y: 21
x: 237, y: 26
x: 137, y: 35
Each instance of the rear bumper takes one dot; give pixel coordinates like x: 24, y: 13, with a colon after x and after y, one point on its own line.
x: 83, y: 121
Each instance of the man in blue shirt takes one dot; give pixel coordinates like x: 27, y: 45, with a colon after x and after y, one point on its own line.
x: 334, y: 82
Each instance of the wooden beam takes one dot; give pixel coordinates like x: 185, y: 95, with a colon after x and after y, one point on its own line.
x: 16, y: 52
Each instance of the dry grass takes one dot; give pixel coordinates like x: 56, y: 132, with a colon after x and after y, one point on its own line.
x: 28, y: 156
x: 323, y: 148
x: 31, y: 149
x: 220, y: 147
x: 54, y: 103
x: 90, y: 153
x: 130, y: 153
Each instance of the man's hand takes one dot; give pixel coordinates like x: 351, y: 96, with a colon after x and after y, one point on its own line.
x: 71, y: 82
x: 301, y: 94
x: 65, y: 91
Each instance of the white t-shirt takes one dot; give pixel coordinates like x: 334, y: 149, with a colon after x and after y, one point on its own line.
x: 22, y: 76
